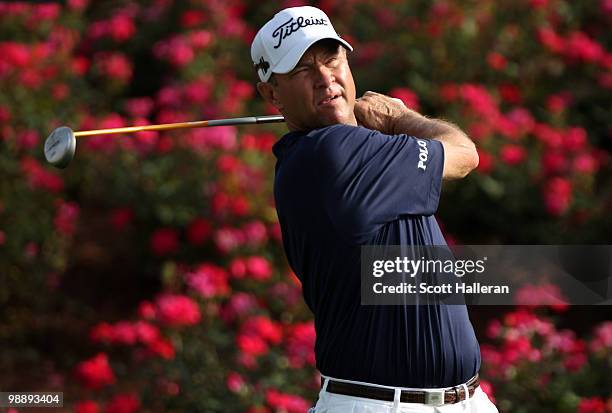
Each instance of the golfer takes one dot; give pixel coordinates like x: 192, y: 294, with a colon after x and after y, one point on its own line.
x: 355, y: 172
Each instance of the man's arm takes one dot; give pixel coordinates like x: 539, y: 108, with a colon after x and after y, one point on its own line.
x: 388, y: 115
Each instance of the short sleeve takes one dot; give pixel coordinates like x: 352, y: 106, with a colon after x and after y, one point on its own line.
x: 369, y: 178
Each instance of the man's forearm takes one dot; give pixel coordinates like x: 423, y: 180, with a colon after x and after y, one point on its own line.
x: 460, y: 152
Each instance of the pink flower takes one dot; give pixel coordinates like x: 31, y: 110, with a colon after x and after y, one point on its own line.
x: 585, y: 163
x: 557, y: 103
x: 480, y: 101
x: 86, y: 406
x: 200, y: 39
x: 488, y: 389
x: 95, y: 373
x: 234, y: 382
x: 239, y: 305
x: 602, y: 339
x: 557, y: 196
x: 121, y: 27
x: 114, y: 65
x: 592, y: 405
x: 27, y: 140
x: 208, y: 280
x: 146, y: 310
x: 162, y: 347
x: 177, y: 310
x: 139, y: 107
x: 550, y: 39
x: 259, y: 268
x: 66, y: 218
x: 39, y: 177
x: 123, y: 403
x: 286, y: 402
x: 574, y: 139
x: 300, y: 345
x: 165, y: 241
x: 407, y: 96
x: 580, y: 46
x: 146, y: 333
x: 251, y: 345
x: 512, y: 154
x: 549, y: 136
x: 540, y: 295
x: 263, y: 327
x: 255, y: 232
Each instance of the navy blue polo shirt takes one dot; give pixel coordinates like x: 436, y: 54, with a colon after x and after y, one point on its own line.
x: 340, y: 187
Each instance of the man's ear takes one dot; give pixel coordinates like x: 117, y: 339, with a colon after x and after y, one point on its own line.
x: 267, y: 92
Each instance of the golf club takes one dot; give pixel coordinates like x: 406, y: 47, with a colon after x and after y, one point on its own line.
x: 60, y: 146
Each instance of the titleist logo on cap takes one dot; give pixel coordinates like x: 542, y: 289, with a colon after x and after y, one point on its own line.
x: 289, y: 27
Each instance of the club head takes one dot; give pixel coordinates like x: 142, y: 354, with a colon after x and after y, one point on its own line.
x: 60, y: 147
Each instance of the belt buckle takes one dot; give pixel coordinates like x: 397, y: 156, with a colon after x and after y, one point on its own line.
x: 434, y: 397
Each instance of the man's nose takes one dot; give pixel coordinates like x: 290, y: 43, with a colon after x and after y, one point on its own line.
x: 325, y: 76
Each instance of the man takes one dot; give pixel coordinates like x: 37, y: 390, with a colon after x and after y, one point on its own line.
x: 350, y: 173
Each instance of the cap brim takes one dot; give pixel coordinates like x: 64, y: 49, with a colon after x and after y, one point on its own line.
x: 291, y: 59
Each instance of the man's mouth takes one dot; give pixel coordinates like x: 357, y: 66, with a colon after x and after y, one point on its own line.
x: 328, y: 99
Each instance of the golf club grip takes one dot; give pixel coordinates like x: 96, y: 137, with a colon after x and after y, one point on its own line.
x: 250, y: 120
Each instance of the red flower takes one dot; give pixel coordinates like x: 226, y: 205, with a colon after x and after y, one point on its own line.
x: 557, y: 196
x: 259, y: 268
x: 66, y: 218
x: 551, y: 40
x: 512, y: 154
x: 120, y: 218
x: 121, y: 27
x: 86, y: 406
x: 488, y: 389
x: 553, y: 162
x: 162, y: 347
x: 252, y: 345
x: 165, y: 241
x: 39, y: 177
x: 146, y: 310
x: 209, y: 281
x: 407, y: 96
x: 234, y: 382
x: 263, y: 327
x: 300, y: 345
x: 95, y: 372
x: 585, y: 163
x: 496, y: 61
x: 177, y: 310
x: 123, y: 403
x: 592, y: 405
x: 574, y: 139
x: 602, y: 339
x: 286, y: 402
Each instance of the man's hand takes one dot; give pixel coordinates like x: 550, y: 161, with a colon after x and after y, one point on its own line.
x: 379, y: 112
x: 388, y: 115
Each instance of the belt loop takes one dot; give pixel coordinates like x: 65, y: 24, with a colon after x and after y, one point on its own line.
x: 466, y: 406
x: 396, y: 399
x: 325, y: 382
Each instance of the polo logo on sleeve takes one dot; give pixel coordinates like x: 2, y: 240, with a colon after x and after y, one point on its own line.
x: 289, y: 27
x: 423, y: 154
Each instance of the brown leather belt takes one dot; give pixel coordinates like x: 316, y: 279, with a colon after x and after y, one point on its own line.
x: 436, y: 397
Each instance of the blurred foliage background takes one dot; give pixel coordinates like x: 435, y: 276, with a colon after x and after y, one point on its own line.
x: 149, y: 275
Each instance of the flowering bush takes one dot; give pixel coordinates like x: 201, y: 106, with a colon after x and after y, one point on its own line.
x: 163, y: 249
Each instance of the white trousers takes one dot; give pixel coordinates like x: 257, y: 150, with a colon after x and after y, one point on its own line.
x: 339, y: 403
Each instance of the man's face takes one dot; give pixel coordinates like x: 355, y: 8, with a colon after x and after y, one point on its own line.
x: 319, y: 91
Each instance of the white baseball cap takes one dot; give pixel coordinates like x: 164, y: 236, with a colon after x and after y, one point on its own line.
x: 281, y: 42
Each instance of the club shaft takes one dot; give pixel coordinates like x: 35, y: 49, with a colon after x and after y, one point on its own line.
x: 249, y: 120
